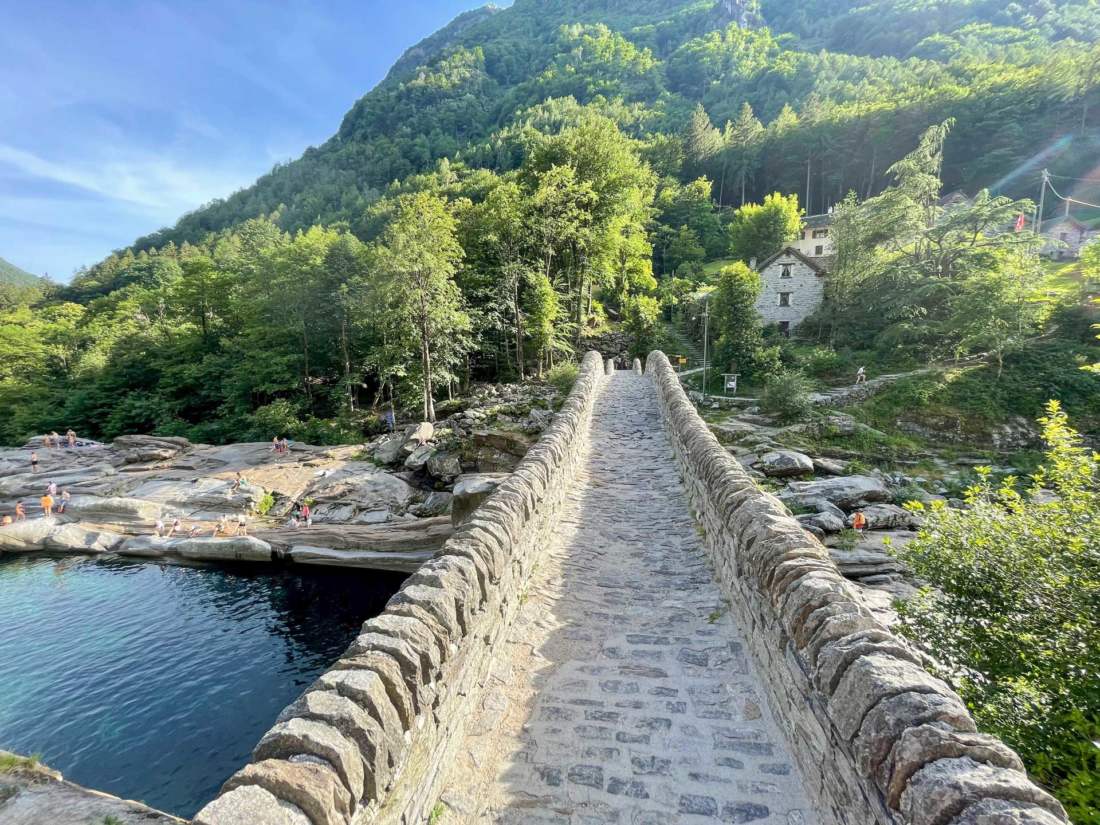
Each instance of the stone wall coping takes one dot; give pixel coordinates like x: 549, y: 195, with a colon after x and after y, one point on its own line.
x: 367, y: 741
x: 899, y: 742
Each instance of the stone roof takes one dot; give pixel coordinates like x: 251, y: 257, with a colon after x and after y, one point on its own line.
x: 818, y: 265
x: 817, y: 221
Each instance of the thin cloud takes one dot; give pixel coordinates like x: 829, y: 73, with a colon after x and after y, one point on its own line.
x: 152, y: 182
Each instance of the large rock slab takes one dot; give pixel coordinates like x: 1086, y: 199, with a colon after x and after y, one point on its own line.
x: 34, y: 484
x: 783, y: 463
x: 405, y: 536
x: 139, y: 449
x: 228, y: 548
x: 200, y: 498
x: 358, y: 487
x: 402, y: 561
x: 26, y: 536
x: 847, y: 492
x: 470, y: 490
x: 80, y: 538
x: 35, y: 795
x: 114, y: 510
x: 887, y: 517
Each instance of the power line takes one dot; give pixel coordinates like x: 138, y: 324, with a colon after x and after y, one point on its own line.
x: 1082, y: 180
x: 1069, y: 200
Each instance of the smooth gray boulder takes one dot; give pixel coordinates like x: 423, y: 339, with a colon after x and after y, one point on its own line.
x: 444, y: 466
x: 34, y: 484
x: 419, y: 457
x: 887, y: 517
x: 823, y: 522
x: 470, y: 490
x: 847, y: 492
x: 230, y: 548
x: 79, y: 538
x: 355, y: 488
x: 114, y: 509
x: 148, y: 547
x: 784, y: 463
x: 389, y: 450
x: 25, y: 536
x: 201, y: 498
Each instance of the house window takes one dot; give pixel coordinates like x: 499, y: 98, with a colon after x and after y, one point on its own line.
x: 784, y: 299
x: 821, y: 233
x: 785, y: 328
x: 786, y: 272
x: 819, y: 250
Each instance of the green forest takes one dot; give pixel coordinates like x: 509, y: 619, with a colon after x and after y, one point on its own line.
x: 582, y: 162
x: 531, y: 180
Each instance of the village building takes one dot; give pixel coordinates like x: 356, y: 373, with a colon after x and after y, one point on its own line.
x: 816, y: 238
x: 1064, y: 236
x: 793, y: 286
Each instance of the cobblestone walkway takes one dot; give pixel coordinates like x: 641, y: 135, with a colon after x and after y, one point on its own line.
x: 624, y: 694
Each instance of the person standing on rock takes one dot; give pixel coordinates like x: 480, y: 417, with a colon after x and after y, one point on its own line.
x: 861, y: 376
x: 242, y: 525
x: 237, y: 483
x: 55, y: 440
x: 34, y: 461
x: 65, y: 496
x: 51, y: 488
x: 859, y: 522
x: 20, y: 512
x: 47, y: 505
x: 71, y: 436
x: 307, y: 515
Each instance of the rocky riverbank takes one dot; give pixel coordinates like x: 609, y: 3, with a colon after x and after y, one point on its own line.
x: 822, y: 470
x: 388, y: 504
x: 32, y: 794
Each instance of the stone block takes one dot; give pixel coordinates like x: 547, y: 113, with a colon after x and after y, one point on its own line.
x: 942, y: 790
x: 389, y: 672
x: 917, y: 747
x: 869, y: 680
x: 250, y: 805
x: 310, y: 785
x: 296, y: 737
x: 886, y: 722
x: 368, y: 691
x: 354, y: 723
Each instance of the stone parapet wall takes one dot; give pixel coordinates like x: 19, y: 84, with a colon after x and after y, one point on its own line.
x: 877, y: 738
x: 370, y: 741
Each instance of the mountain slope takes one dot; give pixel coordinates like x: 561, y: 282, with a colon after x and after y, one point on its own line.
x: 846, y: 92
x: 11, y: 274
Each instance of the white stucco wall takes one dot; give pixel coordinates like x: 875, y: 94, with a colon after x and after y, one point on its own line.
x: 806, y: 287
x: 808, y: 245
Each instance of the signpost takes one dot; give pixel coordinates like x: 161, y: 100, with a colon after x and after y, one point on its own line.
x: 729, y: 381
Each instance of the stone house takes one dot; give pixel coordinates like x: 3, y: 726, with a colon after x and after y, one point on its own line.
x: 793, y: 287
x: 1064, y: 236
x: 815, y: 240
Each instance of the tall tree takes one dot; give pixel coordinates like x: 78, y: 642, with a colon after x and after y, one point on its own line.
x: 759, y: 230
x: 418, y: 257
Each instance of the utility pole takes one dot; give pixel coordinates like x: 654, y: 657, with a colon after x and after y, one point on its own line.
x: 706, y: 336
x: 1042, y: 201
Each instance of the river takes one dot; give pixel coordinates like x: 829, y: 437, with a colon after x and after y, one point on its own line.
x: 153, y: 681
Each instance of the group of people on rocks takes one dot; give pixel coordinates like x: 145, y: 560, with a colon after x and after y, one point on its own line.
x: 224, y: 527
x: 52, y: 502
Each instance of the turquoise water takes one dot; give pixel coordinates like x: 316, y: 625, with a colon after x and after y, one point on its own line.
x: 154, y: 682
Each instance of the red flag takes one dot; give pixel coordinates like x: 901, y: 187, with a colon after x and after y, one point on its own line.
x: 1020, y: 222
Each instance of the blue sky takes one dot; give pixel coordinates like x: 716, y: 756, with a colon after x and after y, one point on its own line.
x: 118, y: 116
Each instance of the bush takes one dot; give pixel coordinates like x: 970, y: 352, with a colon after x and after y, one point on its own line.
x: 563, y: 377
x: 787, y: 396
x: 1011, y: 615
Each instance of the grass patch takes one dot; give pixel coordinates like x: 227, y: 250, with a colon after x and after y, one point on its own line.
x: 10, y: 762
x: 263, y: 507
x: 437, y: 813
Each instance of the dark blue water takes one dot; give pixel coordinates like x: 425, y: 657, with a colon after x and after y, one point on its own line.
x: 154, y: 682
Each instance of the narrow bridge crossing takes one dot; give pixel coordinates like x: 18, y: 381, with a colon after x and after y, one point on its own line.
x: 624, y: 692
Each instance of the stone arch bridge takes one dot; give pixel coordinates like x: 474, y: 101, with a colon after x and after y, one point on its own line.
x: 629, y: 631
